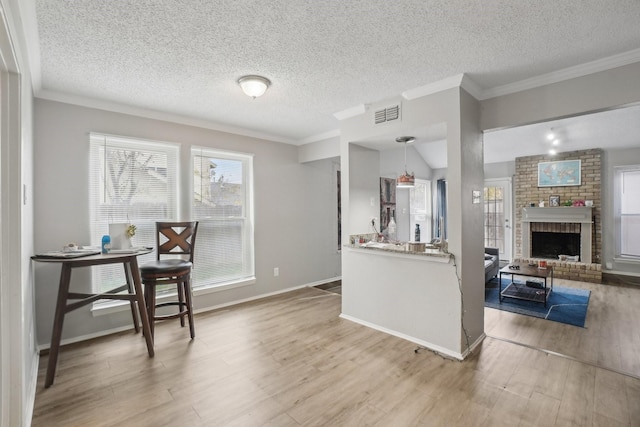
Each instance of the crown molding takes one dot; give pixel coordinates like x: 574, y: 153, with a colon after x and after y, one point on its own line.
x: 156, y: 115
x: 350, y: 112
x: 581, y: 70
x: 27, y: 13
x: 431, y: 88
x: 320, y: 137
x: 471, y: 86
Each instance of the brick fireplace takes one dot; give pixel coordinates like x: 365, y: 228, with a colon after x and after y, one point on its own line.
x: 556, y: 223
x: 583, y: 220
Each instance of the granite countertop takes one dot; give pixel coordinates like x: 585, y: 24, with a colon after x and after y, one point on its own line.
x: 399, y: 249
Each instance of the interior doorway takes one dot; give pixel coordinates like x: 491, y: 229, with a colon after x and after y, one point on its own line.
x: 420, y: 210
x: 498, y: 229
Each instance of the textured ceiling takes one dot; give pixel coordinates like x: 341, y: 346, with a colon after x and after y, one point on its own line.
x: 184, y: 57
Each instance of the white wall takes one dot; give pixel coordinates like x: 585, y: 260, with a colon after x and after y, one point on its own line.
x: 295, y: 207
x: 18, y: 352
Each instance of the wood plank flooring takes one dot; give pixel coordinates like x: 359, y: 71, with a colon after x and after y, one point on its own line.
x: 289, y: 360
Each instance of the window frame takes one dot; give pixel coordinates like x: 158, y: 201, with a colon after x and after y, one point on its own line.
x: 619, y: 171
x: 248, y: 217
x: 100, y: 142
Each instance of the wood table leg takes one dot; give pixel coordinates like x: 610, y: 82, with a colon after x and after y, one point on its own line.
x: 58, y: 320
x: 146, y: 331
x: 132, y: 301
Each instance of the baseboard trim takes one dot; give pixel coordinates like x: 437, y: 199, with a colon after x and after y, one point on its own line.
x: 45, y: 347
x: 430, y: 346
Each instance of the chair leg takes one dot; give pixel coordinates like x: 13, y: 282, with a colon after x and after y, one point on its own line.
x: 181, y: 304
x: 187, y: 293
x: 150, y: 298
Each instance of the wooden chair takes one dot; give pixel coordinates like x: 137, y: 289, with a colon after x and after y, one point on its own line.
x: 176, y: 239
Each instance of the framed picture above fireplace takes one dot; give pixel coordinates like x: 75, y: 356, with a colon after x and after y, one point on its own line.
x: 559, y: 174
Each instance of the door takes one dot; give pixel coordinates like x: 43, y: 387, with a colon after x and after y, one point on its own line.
x: 498, y: 230
x: 420, y: 210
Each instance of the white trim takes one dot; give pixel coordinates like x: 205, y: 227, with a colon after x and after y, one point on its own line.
x: 350, y: 112
x: 320, y: 137
x: 632, y: 261
x: 508, y: 210
x: 27, y: 12
x: 18, y: 365
x: 88, y: 336
x: 435, y: 87
x: 428, y: 345
x: 120, y: 306
x: 592, y: 67
x: 116, y: 107
x: 124, y: 306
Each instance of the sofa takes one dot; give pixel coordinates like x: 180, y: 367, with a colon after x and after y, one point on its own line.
x: 491, y: 263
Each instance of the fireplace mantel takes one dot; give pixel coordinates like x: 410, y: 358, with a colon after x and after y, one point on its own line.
x: 561, y: 214
x: 577, y: 214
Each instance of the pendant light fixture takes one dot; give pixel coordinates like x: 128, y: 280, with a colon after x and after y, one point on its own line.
x: 405, y: 180
x: 254, y: 86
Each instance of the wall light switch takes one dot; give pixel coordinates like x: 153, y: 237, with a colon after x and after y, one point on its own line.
x: 276, y: 272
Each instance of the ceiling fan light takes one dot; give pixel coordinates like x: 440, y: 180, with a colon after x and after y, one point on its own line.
x: 254, y: 86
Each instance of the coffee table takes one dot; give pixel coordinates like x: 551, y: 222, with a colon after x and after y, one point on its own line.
x: 529, y: 290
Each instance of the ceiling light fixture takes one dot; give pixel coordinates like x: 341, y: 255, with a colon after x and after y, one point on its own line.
x: 553, y: 152
x: 550, y: 135
x: 254, y: 86
x: 405, y: 180
x: 556, y: 141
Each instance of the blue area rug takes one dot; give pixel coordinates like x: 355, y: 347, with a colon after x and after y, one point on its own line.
x: 565, y: 305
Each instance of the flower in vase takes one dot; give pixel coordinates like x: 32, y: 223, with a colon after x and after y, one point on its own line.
x: 131, y: 231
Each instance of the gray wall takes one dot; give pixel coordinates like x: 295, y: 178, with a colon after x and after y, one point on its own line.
x: 295, y: 207
x: 593, y: 92
x: 464, y: 174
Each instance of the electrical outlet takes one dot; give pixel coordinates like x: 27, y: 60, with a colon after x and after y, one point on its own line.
x: 276, y: 272
x: 373, y: 221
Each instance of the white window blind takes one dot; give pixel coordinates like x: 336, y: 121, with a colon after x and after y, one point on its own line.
x: 131, y: 181
x: 222, y: 202
x: 629, y: 231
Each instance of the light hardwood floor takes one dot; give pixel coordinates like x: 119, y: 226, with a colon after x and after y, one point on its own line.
x: 289, y: 360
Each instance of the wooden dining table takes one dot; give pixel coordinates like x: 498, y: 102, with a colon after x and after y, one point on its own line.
x: 68, y: 301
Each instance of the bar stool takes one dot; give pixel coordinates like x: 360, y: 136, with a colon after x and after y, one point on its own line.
x: 172, y: 239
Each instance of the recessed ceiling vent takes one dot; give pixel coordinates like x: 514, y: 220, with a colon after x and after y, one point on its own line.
x: 386, y: 114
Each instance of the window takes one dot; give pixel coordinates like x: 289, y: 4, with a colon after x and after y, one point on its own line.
x: 628, y: 209
x: 441, y: 209
x: 222, y: 202
x: 494, y: 218
x: 130, y: 181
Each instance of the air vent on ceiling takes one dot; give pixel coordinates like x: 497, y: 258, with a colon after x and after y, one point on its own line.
x: 387, y: 114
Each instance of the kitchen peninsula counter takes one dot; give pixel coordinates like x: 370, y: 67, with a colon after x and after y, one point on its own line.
x: 435, y: 254
x: 409, y: 294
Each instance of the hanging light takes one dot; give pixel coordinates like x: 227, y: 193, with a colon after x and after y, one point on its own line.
x: 254, y: 86
x: 405, y: 180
